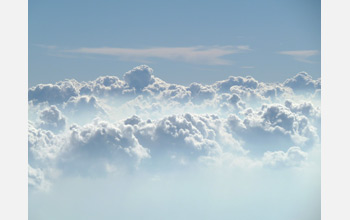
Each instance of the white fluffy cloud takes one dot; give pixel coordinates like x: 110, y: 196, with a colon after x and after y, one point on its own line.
x: 83, y: 105
x: 272, y: 127
x: 43, y: 144
x: 294, y: 156
x: 53, y: 93
x: 139, y: 77
x: 142, y: 122
x: 36, y: 179
x: 303, y: 82
x: 52, y: 119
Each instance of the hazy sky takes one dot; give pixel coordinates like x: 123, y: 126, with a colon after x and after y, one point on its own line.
x: 183, y: 41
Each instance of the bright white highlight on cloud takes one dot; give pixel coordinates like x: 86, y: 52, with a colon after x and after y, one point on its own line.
x: 300, y: 55
x: 198, y: 54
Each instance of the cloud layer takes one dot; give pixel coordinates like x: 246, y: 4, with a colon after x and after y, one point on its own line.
x: 200, y: 54
x: 140, y: 122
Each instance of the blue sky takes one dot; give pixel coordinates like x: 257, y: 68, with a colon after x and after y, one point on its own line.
x: 269, y: 40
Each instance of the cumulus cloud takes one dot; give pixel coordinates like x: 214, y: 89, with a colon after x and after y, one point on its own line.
x: 188, y: 135
x: 103, y: 86
x: 293, y: 157
x: 83, y: 104
x: 139, y: 77
x: 37, y: 180
x: 272, y: 127
x: 42, y: 144
x: 200, y: 54
x: 53, y: 93
x: 87, y: 149
x: 142, y: 122
x: 134, y: 120
x: 247, y: 82
x: 93, y: 146
x: 303, y: 82
x: 141, y: 81
x: 52, y: 119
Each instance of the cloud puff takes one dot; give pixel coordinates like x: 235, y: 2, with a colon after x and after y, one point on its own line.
x: 103, y: 86
x: 134, y: 120
x: 189, y: 135
x: 83, y: 104
x: 37, y: 180
x: 200, y: 54
x: 139, y: 77
x: 305, y: 108
x: 90, y: 148
x: 247, y: 82
x: 53, y: 93
x: 52, y: 119
x: 273, y: 127
x: 200, y: 93
x: 293, y: 157
x: 303, y: 82
x: 42, y: 144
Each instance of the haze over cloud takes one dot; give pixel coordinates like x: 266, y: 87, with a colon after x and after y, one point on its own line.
x: 197, y: 54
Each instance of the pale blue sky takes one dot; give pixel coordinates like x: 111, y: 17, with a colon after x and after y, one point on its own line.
x: 270, y: 40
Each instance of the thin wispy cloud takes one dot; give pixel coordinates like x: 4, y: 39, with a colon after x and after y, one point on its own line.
x: 300, y: 55
x: 197, y: 54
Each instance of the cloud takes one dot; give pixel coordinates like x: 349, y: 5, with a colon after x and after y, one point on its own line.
x: 37, y: 180
x: 198, y: 54
x: 225, y: 85
x: 134, y: 120
x: 94, y: 146
x: 300, y: 55
x: 293, y: 157
x: 139, y: 77
x: 53, y: 93
x: 43, y: 145
x: 188, y: 135
x: 200, y: 93
x: 140, y: 122
x: 272, y: 127
x: 303, y: 82
x: 88, y: 149
x: 101, y: 147
x: 141, y: 81
x: 52, y: 119
x: 83, y: 104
